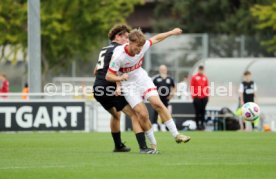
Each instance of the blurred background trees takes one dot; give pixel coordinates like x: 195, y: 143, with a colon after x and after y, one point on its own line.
x: 69, y: 29
x: 234, y: 18
x: 72, y: 32
x: 266, y: 15
x: 213, y: 16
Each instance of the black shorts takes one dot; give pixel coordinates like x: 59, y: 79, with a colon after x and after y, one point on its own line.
x: 119, y: 102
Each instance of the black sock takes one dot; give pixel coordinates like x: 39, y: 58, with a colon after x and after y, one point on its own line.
x: 141, y: 140
x: 117, y: 139
x: 243, y: 123
x: 253, y: 126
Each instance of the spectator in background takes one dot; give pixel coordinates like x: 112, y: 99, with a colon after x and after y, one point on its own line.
x: 166, y: 89
x: 182, y: 89
x: 247, y: 91
x: 200, y: 92
x: 5, y: 87
x: 25, y: 90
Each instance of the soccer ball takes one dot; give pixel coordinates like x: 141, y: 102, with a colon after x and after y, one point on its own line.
x: 190, y: 125
x: 250, y: 111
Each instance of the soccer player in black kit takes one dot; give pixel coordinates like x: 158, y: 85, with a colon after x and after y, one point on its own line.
x: 105, y: 93
x: 247, y: 91
x: 166, y: 89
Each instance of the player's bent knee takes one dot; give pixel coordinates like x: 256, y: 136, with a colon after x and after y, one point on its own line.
x: 115, y: 116
x: 157, y: 105
x: 143, y: 116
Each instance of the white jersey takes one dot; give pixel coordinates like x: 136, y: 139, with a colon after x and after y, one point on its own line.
x: 123, y: 62
x: 139, y: 85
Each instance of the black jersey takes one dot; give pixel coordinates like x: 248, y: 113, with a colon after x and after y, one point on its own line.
x: 248, y: 90
x: 163, y: 85
x: 103, y: 64
x: 103, y: 89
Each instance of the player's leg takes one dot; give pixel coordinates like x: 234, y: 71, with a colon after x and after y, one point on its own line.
x: 166, y: 103
x: 108, y: 104
x: 204, y: 104
x: 143, y: 115
x: 138, y: 126
x: 115, y: 131
x: 139, y: 132
x: 154, y: 120
x: 200, y: 111
x: 133, y: 97
x: 166, y: 118
x: 243, y: 124
x: 196, y: 104
x: 252, y: 125
x: 162, y: 110
x: 115, y: 120
x: 150, y: 93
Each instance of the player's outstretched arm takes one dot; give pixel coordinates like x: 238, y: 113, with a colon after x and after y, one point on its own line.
x: 159, y: 37
x: 115, y: 78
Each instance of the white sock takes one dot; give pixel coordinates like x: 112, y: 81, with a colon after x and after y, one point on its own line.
x: 172, y: 127
x: 163, y: 128
x: 155, y: 127
x: 150, y: 136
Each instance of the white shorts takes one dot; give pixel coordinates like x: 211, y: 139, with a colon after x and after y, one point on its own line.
x: 138, y: 89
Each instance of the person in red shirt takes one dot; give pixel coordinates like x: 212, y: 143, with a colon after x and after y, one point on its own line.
x: 5, y: 84
x: 200, y: 92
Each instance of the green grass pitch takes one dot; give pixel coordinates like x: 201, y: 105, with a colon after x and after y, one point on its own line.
x: 88, y: 155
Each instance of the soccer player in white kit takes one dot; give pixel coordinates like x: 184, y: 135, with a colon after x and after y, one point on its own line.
x: 126, y: 67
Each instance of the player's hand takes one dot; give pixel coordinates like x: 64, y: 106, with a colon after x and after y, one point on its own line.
x: 124, y: 77
x: 176, y: 31
x: 118, y: 91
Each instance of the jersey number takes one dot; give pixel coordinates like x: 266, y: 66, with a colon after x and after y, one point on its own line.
x: 100, y: 63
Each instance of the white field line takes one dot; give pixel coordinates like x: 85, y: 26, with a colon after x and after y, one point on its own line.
x: 106, y: 165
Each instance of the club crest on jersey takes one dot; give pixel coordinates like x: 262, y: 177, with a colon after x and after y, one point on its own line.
x: 113, y: 64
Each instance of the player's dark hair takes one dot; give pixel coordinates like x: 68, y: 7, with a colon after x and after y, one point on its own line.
x: 201, y: 67
x: 247, y: 73
x: 118, y: 30
x: 137, y: 36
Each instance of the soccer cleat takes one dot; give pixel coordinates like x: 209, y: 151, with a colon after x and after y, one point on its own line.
x: 182, y: 138
x: 148, y: 151
x: 122, y: 148
x: 153, y: 146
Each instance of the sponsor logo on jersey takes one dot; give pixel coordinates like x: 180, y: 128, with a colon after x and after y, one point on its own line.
x: 159, y: 79
x: 132, y: 68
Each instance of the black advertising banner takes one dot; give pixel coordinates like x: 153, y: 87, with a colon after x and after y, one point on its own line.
x: 42, y: 116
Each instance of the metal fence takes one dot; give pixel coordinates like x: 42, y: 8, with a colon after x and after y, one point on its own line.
x: 181, y: 53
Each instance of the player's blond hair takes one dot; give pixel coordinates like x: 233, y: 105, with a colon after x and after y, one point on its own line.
x: 137, y: 36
